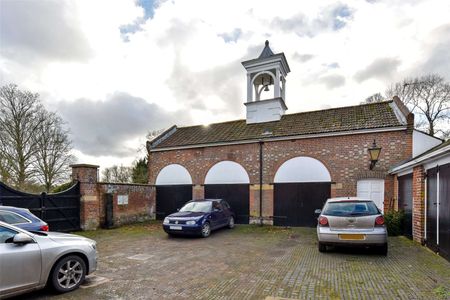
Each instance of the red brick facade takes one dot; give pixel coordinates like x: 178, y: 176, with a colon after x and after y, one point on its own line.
x: 345, y: 157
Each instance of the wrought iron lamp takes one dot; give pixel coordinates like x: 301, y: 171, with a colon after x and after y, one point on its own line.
x: 374, y: 153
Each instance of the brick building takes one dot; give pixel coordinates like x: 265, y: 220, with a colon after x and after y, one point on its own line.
x: 278, y: 168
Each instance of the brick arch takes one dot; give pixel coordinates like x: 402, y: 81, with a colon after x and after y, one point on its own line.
x: 212, y: 164
x: 158, y: 172
x: 278, y: 165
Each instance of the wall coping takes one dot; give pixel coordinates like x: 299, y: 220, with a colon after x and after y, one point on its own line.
x: 84, y: 166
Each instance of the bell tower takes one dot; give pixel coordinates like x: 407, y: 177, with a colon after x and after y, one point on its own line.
x: 266, y: 86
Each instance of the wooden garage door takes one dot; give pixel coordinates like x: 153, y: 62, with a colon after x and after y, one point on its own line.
x: 444, y: 211
x: 294, y: 203
x: 431, y: 239
x: 237, y: 195
x: 405, y: 202
x: 169, y: 198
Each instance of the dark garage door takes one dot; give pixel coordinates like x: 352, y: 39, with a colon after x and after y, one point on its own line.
x: 432, y: 209
x: 294, y: 203
x: 405, y: 202
x: 237, y: 195
x: 171, y: 197
x: 444, y: 211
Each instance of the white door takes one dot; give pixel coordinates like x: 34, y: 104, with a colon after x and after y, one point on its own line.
x: 372, y: 189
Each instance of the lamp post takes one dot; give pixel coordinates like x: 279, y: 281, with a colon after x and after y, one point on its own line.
x: 374, y: 153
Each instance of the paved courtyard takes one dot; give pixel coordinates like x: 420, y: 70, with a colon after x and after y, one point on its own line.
x: 249, y: 262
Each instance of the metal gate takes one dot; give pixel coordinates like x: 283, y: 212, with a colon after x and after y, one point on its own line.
x: 294, y: 203
x: 405, y: 188
x: 237, y: 195
x: 61, y: 210
x: 431, y: 239
x: 169, y: 198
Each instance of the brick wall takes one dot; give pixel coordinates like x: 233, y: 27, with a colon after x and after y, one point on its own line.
x: 140, y: 207
x: 141, y: 199
x: 345, y: 157
x: 418, y: 203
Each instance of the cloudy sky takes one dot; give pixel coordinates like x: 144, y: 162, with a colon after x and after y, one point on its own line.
x: 115, y: 70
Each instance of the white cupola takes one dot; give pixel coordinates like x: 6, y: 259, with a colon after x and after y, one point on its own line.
x: 266, y: 86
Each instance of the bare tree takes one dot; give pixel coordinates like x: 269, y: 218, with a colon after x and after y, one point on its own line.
x: 374, y: 98
x: 19, y: 122
x: 53, y: 151
x: 116, y: 173
x: 428, y: 97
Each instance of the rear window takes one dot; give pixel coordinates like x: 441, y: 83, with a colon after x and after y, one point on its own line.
x: 12, y: 218
x: 350, y: 208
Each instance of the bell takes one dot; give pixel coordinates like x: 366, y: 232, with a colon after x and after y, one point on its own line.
x: 266, y: 88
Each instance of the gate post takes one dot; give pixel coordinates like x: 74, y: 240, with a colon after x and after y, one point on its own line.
x: 87, y: 176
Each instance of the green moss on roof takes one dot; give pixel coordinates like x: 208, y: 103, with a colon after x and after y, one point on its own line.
x: 359, y: 117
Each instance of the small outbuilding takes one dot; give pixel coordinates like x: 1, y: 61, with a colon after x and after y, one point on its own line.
x: 423, y: 188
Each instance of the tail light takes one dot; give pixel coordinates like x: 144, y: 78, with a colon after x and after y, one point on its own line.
x: 379, y: 221
x: 44, y: 228
x: 323, y: 221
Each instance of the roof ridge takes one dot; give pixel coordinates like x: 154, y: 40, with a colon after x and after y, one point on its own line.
x: 296, y: 113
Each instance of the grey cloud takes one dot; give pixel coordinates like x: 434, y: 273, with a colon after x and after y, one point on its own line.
x: 31, y: 30
x: 332, y: 81
x: 302, y: 57
x: 383, y: 68
x: 333, y: 17
x: 438, y: 55
x: 102, y: 127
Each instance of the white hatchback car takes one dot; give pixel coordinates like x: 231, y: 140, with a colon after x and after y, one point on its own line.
x: 351, y: 222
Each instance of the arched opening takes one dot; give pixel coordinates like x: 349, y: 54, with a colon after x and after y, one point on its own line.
x: 229, y: 180
x: 263, y: 82
x: 173, y: 189
x: 301, y: 185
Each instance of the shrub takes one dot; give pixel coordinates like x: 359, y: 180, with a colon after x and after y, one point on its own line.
x: 394, y: 222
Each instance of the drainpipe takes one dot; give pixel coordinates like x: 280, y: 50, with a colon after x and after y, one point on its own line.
x: 260, y: 181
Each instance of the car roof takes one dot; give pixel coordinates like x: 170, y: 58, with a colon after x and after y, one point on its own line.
x: 13, y: 208
x: 344, y: 199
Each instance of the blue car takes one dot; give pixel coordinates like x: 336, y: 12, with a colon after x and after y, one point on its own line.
x: 22, y: 218
x: 200, y: 217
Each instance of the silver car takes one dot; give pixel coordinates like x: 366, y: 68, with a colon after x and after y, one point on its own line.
x: 351, y: 222
x: 30, y: 260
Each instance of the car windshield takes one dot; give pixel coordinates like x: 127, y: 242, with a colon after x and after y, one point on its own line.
x: 350, y: 208
x: 197, y: 206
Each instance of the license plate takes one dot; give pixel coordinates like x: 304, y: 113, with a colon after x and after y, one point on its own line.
x: 175, y: 227
x: 352, y: 237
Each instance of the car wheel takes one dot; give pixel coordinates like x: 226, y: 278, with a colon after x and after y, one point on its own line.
x: 68, y: 274
x: 384, y: 249
x: 206, y: 230
x: 231, y: 223
x: 322, y: 247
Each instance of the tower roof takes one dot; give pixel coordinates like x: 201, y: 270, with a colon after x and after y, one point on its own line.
x: 267, y: 52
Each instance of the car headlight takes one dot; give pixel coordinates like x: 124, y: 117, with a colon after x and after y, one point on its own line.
x: 166, y: 220
x: 192, y: 222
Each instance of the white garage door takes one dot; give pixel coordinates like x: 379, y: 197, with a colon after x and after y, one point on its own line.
x: 372, y: 189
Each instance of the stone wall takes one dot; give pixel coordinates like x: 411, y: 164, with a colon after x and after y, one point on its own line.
x: 140, y: 197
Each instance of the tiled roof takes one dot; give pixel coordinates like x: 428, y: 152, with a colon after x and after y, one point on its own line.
x: 359, y: 117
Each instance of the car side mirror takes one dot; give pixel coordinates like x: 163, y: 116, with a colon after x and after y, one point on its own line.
x: 178, y: 209
x: 22, y: 238
x: 318, y: 211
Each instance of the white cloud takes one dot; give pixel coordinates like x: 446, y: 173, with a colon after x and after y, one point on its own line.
x: 186, y: 57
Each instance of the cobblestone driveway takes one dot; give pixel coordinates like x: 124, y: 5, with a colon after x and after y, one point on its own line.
x: 141, y: 262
